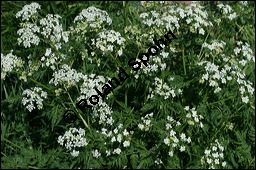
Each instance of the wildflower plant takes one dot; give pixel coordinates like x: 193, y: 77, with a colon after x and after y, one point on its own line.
x: 191, y: 106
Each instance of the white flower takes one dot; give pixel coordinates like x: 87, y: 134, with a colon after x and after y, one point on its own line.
x: 94, y: 17
x: 217, y: 161
x: 143, y: 15
x: 182, y: 148
x: 245, y: 99
x: 36, y: 96
x: 213, y: 83
x: 28, y: 34
x: 96, y: 153
x: 201, y: 31
x: 214, y: 148
x: 28, y: 10
x: 141, y: 126
x: 66, y: 75
x: 183, y: 136
x: 175, y: 140
x: 209, y: 161
x: 125, y: 133
x: 167, y: 141
x: 188, y: 139
x: 119, y: 138
x: 172, y: 133
x: 126, y: 143
x: 178, y: 123
x: 74, y: 153
x: 221, y: 148
x: 171, y: 153
x: 10, y: 62
x: 120, y: 52
x: 108, y: 153
x: 73, y: 138
x: 169, y: 118
x: 107, y: 39
x: 117, y: 151
x: 215, y: 155
x: 217, y: 90
x: 187, y: 108
x: 224, y: 164
x: 158, y: 161
x: 243, y: 62
x: 113, y: 139
x: 168, y: 126
x: 205, y: 76
x: 232, y: 16
x: 207, y: 152
x: 115, y: 131
x: 237, y: 50
x: 52, y: 29
x: 147, y: 122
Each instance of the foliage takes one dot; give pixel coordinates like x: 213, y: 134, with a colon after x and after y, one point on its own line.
x: 193, y: 106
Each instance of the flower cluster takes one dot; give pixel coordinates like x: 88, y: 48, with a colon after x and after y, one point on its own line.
x: 28, y: 30
x: 217, y: 46
x: 120, y: 136
x: 52, y: 30
x: 193, y: 117
x: 73, y: 55
x: 149, y: 4
x: 96, y: 153
x: 156, y: 19
x: 244, y: 50
x: 244, y: 3
x: 94, y: 17
x: 87, y: 89
x: 66, y: 76
x: 195, y: 17
x: 90, y: 82
x: 108, y: 40
x: 28, y: 10
x: 227, y: 11
x: 214, y: 156
x: 163, y: 89
x: 33, y: 66
x: 103, y: 111
x: 28, y: 34
x: 173, y: 138
x: 232, y: 70
x: 72, y: 139
x: 146, y: 122
x: 51, y: 59
x: 36, y: 95
x: 213, y: 74
x: 10, y: 62
x: 156, y: 63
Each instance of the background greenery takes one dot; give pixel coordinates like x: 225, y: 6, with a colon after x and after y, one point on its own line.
x: 28, y: 140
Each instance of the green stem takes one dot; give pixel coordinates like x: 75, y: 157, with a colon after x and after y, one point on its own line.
x: 217, y: 131
x: 183, y: 58
x: 41, y: 84
x: 86, y: 125
x: 35, y: 81
x: 139, y: 145
x: 199, y: 56
x: 11, y: 143
x: 125, y: 98
x: 187, y: 83
x: 231, y: 97
x: 160, y: 129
